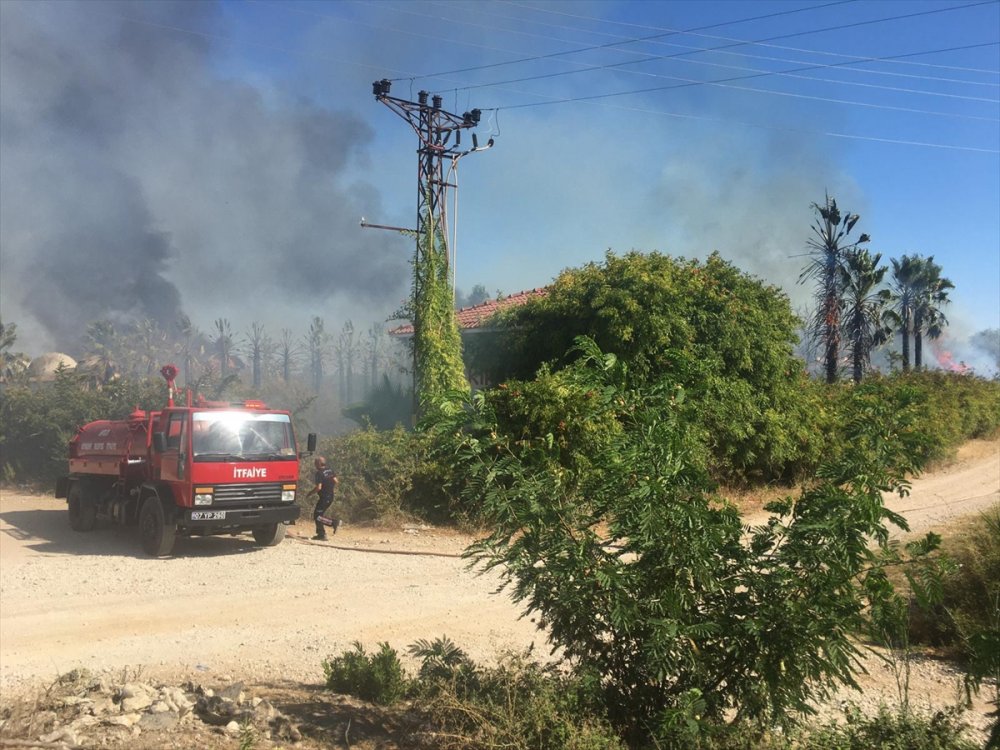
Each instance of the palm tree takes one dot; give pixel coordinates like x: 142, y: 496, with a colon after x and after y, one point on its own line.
x: 827, y: 267
x: 316, y: 343
x: 373, y: 352
x: 927, y: 316
x: 258, y: 348
x: 149, y: 342
x: 101, y: 354
x: 223, y: 345
x: 188, y: 333
x: 918, y: 292
x: 287, y: 354
x: 345, y: 350
x: 864, y: 304
x: 905, y: 289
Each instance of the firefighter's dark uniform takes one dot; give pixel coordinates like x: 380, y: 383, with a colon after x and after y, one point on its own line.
x: 325, y: 481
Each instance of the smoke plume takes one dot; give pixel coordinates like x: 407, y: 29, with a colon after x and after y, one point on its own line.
x: 136, y: 180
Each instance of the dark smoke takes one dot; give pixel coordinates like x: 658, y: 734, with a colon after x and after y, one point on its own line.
x: 135, y: 180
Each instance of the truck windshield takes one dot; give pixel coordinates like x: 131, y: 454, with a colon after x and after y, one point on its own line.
x: 242, y: 436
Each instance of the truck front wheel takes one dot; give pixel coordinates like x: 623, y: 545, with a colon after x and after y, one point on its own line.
x: 156, y: 533
x: 270, y: 535
x: 82, y: 509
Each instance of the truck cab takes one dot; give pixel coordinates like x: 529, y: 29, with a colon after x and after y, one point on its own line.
x: 228, y: 468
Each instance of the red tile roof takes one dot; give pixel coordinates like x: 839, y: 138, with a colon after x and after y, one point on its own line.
x: 477, y: 316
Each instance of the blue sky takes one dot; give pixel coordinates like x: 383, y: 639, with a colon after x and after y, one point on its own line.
x: 748, y: 113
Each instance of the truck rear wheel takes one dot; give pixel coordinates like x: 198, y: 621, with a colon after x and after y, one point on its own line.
x: 156, y: 533
x: 270, y: 535
x: 82, y: 509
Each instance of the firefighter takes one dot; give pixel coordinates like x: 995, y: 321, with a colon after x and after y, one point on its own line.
x: 326, y: 481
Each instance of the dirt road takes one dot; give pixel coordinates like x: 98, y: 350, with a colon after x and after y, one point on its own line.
x: 223, y: 606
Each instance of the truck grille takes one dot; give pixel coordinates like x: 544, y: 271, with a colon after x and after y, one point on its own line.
x: 231, y: 495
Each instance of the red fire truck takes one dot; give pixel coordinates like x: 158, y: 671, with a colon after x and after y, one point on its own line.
x: 204, y: 468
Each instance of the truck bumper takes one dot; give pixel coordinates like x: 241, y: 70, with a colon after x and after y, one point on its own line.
x: 207, y: 520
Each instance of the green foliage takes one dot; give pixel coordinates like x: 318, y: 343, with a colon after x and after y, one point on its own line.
x: 386, y: 406
x: 384, y: 475
x: 643, y: 578
x: 864, y: 323
x: 36, y: 424
x: 724, y: 336
x: 440, y: 659
x: 517, y: 704
x: 829, y: 254
x: 944, y: 410
x: 378, y: 677
x: 965, y: 613
x: 436, y: 340
x: 902, y: 730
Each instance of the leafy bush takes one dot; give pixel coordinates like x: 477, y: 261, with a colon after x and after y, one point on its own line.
x: 518, y: 704
x: 37, y: 423
x: 378, y: 677
x: 945, y: 408
x: 967, y: 617
x: 900, y: 730
x: 970, y: 600
x: 384, y: 475
x: 723, y: 335
x: 643, y: 578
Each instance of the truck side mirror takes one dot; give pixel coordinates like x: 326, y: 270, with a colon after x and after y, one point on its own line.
x: 159, y: 442
x: 311, y: 442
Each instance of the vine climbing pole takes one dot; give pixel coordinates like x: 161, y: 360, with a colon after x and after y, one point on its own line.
x: 439, y: 133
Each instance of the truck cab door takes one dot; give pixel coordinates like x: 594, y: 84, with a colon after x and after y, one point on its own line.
x: 174, y: 461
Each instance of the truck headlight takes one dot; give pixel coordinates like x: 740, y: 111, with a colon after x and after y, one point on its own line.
x: 203, y: 496
x: 288, y: 493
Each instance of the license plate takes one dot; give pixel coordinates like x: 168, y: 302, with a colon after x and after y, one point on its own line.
x: 208, y: 515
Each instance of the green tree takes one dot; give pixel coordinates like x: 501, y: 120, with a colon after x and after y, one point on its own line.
x: 864, y: 304
x: 928, y: 318
x: 11, y: 362
x: 316, y: 343
x: 186, y: 345
x: 147, y: 343
x: 103, y: 349
x: 905, y: 291
x: 644, y: 579
x: 374, y: 354
x: 828, y: 252
x: 258, y: 348
x: 287, y: 355
x: 346, y: 349
x: 224, y: 346
x: 724, y: 335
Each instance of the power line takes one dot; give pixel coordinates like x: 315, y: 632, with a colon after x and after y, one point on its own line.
x: 731, y: 44
x: 648, y: 56
x: 758, y: 72
x: 722, y: 52
x: 691, y: 83
x: 626, y: 41
x: 590, y: 99
x: 730, y: 121
x: 761, y: 44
